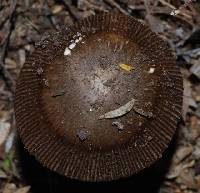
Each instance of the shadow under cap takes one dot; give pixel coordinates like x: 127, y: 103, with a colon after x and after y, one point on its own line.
x: 100, y: 100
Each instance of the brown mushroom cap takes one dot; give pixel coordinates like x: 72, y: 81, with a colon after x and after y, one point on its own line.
x: 99, y: 100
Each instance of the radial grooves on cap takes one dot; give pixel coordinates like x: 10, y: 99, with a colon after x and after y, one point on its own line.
x: 156, y: 147
x: 118, y: 163
x: 55, y: 162
x: 174, y: 114
x: 139, y: 162
x: 146, y: 155
x: 165, y: 127
x: 32, y: 142
x: 124, y: 154
x: 72, y: 163
x: 101, y: 164
x: 52, y: 159
x: 43, y: 152
x: 143, y: 36
x: 57, y: 150
x: 55, y: 153
x: 160, y: 135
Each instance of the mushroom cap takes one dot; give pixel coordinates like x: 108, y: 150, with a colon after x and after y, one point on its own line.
x: 99, y: 100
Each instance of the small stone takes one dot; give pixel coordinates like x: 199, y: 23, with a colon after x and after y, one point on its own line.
x: 46, y: 82
x: 119, y: 125
x: 39, y: 71
x: 71, y: 46
x: 67, y: 52
x: 151, y: 70
x: 83, y: 135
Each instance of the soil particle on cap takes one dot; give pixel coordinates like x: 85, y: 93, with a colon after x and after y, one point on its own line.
x: 57, y: 94
x: 71, y: 46
x: 83, y: 135
x: 67, y: 51
x: 39, y: 71
x: 96, y: 105
x: 143, y: 113
x: 118, y: 124
x: 149, y: 138
x: 151, y: 70
x: 109, y: 83
x: 45, y: 82
x: 73, y: 43
x: 140, y: 124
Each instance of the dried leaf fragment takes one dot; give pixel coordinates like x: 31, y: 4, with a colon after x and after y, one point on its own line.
x: 126, y: 67
x: 120, y: 111
x: 143, y: 113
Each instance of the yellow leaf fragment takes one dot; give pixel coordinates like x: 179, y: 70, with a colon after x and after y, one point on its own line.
x: 126, y: 67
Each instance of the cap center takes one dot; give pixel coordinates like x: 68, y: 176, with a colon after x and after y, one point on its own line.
x: 99, y: 76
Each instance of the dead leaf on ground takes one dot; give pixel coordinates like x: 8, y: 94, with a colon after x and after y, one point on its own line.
x: 9, y: 188
x: 183, y: 152
x: 195, y: 69
x: 2, y: 174
x: 188, y: 100
x: 187, y: 178
x: 23, y: 190
x: 4, y: 130
x: 176, y: 170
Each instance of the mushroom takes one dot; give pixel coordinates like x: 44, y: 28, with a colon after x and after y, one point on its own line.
x: 106, y: 69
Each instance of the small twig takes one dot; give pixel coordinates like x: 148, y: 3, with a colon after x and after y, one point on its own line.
x: 95, y: 7
x: 71, y: 10
x: 165, y: 11
x: 115, y: 4
x: 50, y: 16
x: 32, y: 25
x: 4, y: 21
x: 167, y: 4
x: 146, y: 4
x: 190, y: 52
x: 3, y: 71
x: 174, y: 9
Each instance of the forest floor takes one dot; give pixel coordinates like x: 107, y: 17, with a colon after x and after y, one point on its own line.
x: 23, y: 22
